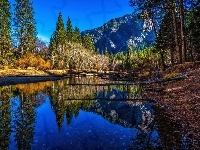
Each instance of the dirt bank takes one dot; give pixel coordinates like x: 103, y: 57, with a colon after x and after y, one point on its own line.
x: 181, y: 99
x: 17, y: 76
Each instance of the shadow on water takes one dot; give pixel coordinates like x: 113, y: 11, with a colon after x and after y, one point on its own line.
x: 73, y: 114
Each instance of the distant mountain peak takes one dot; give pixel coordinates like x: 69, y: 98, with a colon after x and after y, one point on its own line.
x: 119, y: 34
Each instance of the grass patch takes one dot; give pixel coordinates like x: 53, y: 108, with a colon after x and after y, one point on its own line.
x: 15, y: 72
x: 144, y: 74
x: 171, y: 75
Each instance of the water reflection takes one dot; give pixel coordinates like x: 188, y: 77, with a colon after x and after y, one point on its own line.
x: 166, y: 126
x: 24, y: 121
x: 18, y: 110
x: 74, y: 114
x: 5, y: 117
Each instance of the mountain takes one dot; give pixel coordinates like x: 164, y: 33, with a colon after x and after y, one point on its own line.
x: 120, y: 33
x: 128, y: 114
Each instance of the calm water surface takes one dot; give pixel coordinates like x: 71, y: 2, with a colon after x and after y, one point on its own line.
x: 63, y: 115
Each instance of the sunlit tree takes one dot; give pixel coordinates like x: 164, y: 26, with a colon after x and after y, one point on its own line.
x: 5, y: 30
x: 57, y: 42
x: 77, y: 35
x: 88, y: 43
x: 69, y: 30
x: 25, y: 33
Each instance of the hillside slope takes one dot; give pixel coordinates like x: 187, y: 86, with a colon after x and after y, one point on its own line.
x: 119, y: 33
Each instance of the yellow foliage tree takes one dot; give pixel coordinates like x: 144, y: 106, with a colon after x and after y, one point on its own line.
x: 30, y: 60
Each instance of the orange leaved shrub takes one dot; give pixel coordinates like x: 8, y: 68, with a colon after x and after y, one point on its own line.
x: 30, y: 60
x: 33, y: 88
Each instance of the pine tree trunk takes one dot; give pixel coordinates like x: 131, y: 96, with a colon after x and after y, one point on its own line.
x: 175, y: 31
x: 181, y: 16
x: 172, y: 53
x: 191, y: 48
x: 162, y: 61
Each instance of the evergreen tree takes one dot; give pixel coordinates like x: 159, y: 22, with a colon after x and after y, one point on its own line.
x: 25, y: 32
x: 77, y: 35
x: 69, y: 30
x: 157, y: 9
x: 5, y: 28
x: 165, y: 40
x: 53, y: 53
x: 60, y: 31
x: 57, y: 42
x: 182, y: 31
x: 194, y: 30
x: 128, y: 61
x: 88, y: 43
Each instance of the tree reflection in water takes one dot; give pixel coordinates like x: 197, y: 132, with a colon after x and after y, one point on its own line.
x: 170, y: 131
x: 24, y: 121
x: 151, y: 127
x: 61, y: 92
x: 5, y: 117
x: 20, y: 102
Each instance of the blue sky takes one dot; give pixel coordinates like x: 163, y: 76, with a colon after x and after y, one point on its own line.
x: 85, y: 14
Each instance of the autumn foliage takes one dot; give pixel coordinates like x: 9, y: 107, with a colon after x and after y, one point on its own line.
x: 32, y: 88
x: 31, y: 60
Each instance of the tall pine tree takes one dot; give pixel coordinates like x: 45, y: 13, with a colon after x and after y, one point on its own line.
x: 77, y: 36
x: 57, y: 42
x: 60, y: 31
x: 193, y: 29
x: 53, y: 54
x: 24, y: 27
x: 5, y: 29
x: 69, y: 30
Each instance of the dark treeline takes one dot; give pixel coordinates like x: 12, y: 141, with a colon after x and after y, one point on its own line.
x: 176, y: 26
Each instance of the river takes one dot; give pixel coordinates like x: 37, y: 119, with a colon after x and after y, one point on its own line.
x: 84, y: 113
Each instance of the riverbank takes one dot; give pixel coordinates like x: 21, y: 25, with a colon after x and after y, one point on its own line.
x: 181, y: 100
x: 30, y: 72
x: 12, y: 80
x: 18, y: 76
x: 30, y: 75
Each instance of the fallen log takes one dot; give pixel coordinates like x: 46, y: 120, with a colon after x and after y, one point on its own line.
x: 180, y: 77
x: 157, y: 89
x: 116, y: 78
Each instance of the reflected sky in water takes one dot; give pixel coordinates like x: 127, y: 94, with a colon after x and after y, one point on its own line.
x: 86, y: 131
x: 45, y: 118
